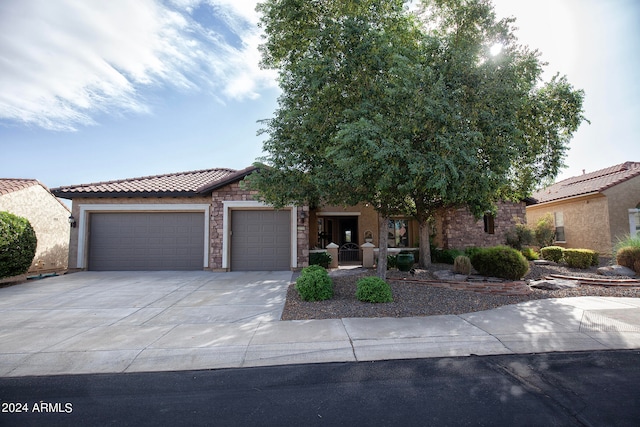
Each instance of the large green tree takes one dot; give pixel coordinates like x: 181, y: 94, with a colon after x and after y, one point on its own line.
x: 411, y: 115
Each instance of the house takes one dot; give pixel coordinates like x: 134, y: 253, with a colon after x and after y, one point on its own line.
x: 182, y: 221
x: 48, y: 216
x: 205, y: 220
x: 593, y: 210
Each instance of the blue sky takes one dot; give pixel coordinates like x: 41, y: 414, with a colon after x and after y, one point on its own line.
x: 94, y: 90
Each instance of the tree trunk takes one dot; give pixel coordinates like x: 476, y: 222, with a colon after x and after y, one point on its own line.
x: 383, y: 238
x: 425, y: 247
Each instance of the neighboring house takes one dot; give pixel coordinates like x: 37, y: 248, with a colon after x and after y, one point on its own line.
x: 48, y: 216
x: 182, y: 221
x: 593, y: 210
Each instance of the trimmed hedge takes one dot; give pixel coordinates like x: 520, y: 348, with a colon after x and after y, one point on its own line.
x: 552, y: 253
x: 373, y: 289
x: 17, y: 245
x: 314, y: 284
x: 629, y: 256
x: 500, y: 261
x: 580, y: 258
x: 445, y: 256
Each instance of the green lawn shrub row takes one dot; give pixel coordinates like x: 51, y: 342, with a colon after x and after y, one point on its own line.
x: 552, y: 253
x: 17, y: 245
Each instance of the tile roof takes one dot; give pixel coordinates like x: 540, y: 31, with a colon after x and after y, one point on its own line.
x: 9, y: 185
x: 191, y: 183
x: 593, y: 182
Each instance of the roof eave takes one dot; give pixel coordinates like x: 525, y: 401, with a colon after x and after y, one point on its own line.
x: 129, y: 194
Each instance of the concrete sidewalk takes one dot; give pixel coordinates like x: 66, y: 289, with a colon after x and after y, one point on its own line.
x: 121, y: 322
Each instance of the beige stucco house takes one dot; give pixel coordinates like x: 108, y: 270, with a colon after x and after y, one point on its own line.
x: 48, y: 216
x: 593, y: 210
x: 205, y: 220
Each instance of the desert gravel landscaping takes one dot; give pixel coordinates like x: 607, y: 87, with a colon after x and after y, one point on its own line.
x: 421, y: 299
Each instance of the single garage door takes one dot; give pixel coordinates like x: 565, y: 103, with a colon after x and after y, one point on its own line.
x: 260, y: 240
x: 146, y: 241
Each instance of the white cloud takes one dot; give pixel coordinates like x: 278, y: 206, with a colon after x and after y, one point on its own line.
x: 64, y: 61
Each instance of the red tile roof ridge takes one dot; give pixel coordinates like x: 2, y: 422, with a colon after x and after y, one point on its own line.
x: 9, y: 185
x: 587, y: 183
x: 140, y: 178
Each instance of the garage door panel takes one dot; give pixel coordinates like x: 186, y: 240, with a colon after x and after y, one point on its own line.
x: 146, y: 241
x: 260, y: 240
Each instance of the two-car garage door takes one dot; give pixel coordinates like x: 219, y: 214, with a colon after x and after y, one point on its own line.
x: 146, y: 241
x: 259, y: 240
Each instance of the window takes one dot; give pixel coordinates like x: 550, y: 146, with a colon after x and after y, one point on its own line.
x: 398, y: 233
x: 559, y: 221
x: 489, y: 224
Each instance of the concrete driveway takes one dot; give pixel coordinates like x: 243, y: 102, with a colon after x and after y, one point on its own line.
x: 101, y: 321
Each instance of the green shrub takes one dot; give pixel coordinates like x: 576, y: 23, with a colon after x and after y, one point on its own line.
x: 373, y: 289
x: 462, y: 265
x: 545, y: 231
x: 472, y: 251
x: 629, y: 257
x: 500, y: 261
x: 578, y: 258
x: 530, y: 254
x: 445, y: 256
x: 314, y: 284
x: 17, y: 245
x: 552, y: 253
x: 519, y: 236
x: 320, y: 258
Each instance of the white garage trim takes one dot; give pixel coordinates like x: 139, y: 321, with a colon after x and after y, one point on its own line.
x: 249, y: 204
x: 86, y: 209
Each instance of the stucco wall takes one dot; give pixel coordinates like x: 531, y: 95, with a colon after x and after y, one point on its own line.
x: 49, y: 219
x: 586, y: 221
x: 458, y: 229
x: 75, y: 210
x: 621, y: 198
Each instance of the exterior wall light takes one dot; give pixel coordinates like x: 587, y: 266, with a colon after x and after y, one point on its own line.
x: 72, y: 221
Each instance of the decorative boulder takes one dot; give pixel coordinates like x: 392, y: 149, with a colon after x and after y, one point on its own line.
x: 554, y: 284
x: 616, y: 270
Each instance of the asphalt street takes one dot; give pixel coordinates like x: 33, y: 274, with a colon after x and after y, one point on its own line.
x: 552, y: 389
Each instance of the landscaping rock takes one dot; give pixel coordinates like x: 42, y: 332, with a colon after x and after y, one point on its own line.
x: 449, y: 275
x: 554, y: 284
x: 616, y: 270
x: 543, y: 262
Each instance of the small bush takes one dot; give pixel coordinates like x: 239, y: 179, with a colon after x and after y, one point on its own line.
x: 373, y: 289
x: 545, y: 231
x: 314, y: 284
x: 320, y: 258
x: 17, y: 245
x: 629, y: 257
x: 530, y: 254
x: 462, y: 265
x: 578, y: 258
x: 500, y: 261
x: 445, y: 256
x: 519, y: 236
x: 552, y: 253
